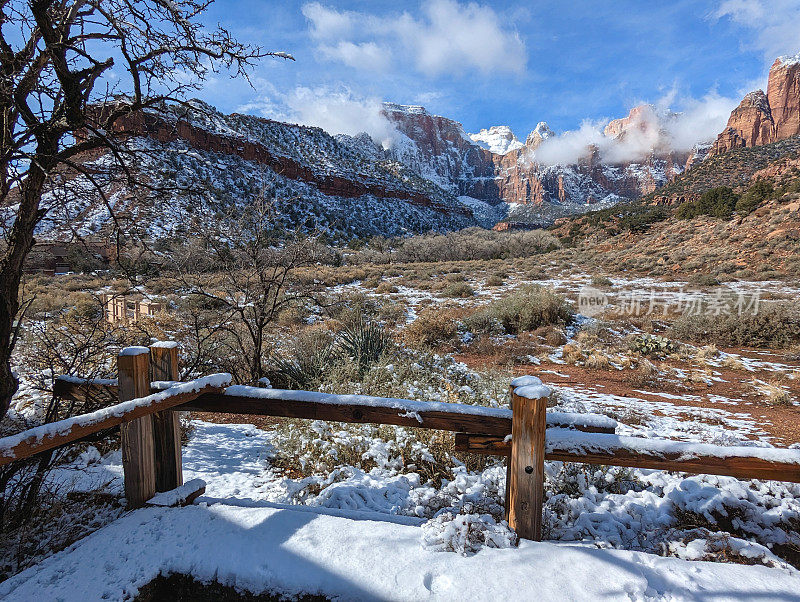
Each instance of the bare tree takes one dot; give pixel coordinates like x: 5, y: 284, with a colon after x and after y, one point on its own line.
x: 245, y: 268
x: 58, y: 101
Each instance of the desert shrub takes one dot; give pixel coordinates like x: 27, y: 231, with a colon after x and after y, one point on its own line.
x: 482, y: 322
x: 385, y: 288
x: 774, y: 325
x: 432, y: 328
x: 599, y: 280
x: 718, y: 202
x: 494, y: 280
x: 464, y: 245
x: 703, y: 280
x: 391, y: 312
x: 527, y: 308
x: 458, y: 290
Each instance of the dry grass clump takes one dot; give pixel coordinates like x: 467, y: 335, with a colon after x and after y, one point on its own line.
x: 600, y: 280
x: 775, y: 393
x: 706, y: 352
x: 698, y: 376
x: 645, y: 374
x: 454, y: 277
x: 598, y: 361
x: 494, y: 280
x: 551, y: 335
x: 572, y: 354
x: 732, y: 362
x: 385, y: 288
x: 433, y: 328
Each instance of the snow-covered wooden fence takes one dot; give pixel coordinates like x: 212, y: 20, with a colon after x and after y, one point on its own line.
x: 149, y: 395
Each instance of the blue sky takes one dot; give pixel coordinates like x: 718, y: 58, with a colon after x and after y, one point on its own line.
x: 512, y: 63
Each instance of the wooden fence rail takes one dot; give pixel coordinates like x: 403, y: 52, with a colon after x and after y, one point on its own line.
x: 527, y: 432
x: 57, y: 434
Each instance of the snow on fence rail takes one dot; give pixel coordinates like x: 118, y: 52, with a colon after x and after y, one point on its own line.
x: 660, y: 454
x: 151, y: 439
x: 239, y: 399
x: 57, y: 434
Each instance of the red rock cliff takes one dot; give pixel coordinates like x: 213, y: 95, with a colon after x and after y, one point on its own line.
x: 765, y: 118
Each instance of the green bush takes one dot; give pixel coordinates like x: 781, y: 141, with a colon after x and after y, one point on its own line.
x: 526, y: 308
x: 718, y: 202
x: 641, y: 220
x: 754, y: 196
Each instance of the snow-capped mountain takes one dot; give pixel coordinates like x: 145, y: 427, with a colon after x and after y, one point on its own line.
x: 498, y: 139
x: 434, y: 176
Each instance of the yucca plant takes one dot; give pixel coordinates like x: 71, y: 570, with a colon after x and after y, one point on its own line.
x: 364, y: 342
x: 312, y: 355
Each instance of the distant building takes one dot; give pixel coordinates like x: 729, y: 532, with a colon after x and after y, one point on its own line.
x: 121, y: 309
x: 54, y: 258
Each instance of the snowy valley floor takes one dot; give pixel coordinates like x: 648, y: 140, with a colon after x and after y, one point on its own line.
x: 358, y: 536
x: 358, y: 511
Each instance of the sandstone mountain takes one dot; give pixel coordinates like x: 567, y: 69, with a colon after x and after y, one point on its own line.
x: 495, y: 168
x: 766, y: 118
x: 433, y: 176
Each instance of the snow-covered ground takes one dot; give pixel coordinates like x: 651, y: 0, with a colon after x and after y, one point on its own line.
x: 358, y: 496
x: 375, y: 534
x: 289, y: 551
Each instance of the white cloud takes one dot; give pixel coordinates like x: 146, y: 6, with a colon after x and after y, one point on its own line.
x: 572, y: 146
x: 701, y: 120
x: 327, y: 23
x: 337, y: 111
x: 446, y: 37
x: 655, y: 127
x: 367, y: 55
x: 776, y: 23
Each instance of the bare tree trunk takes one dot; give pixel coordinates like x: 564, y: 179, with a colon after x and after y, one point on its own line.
x: 20, y: 241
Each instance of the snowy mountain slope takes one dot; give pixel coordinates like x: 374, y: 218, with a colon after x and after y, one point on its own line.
x: 214, y: 182
x: 433, y: 176
x: 495, y: 167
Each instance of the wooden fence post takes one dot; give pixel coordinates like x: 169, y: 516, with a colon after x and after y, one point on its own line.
x: 526, y: 489
x: 166, y: 425
x: 138, y: 461
x: 507, y: 512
